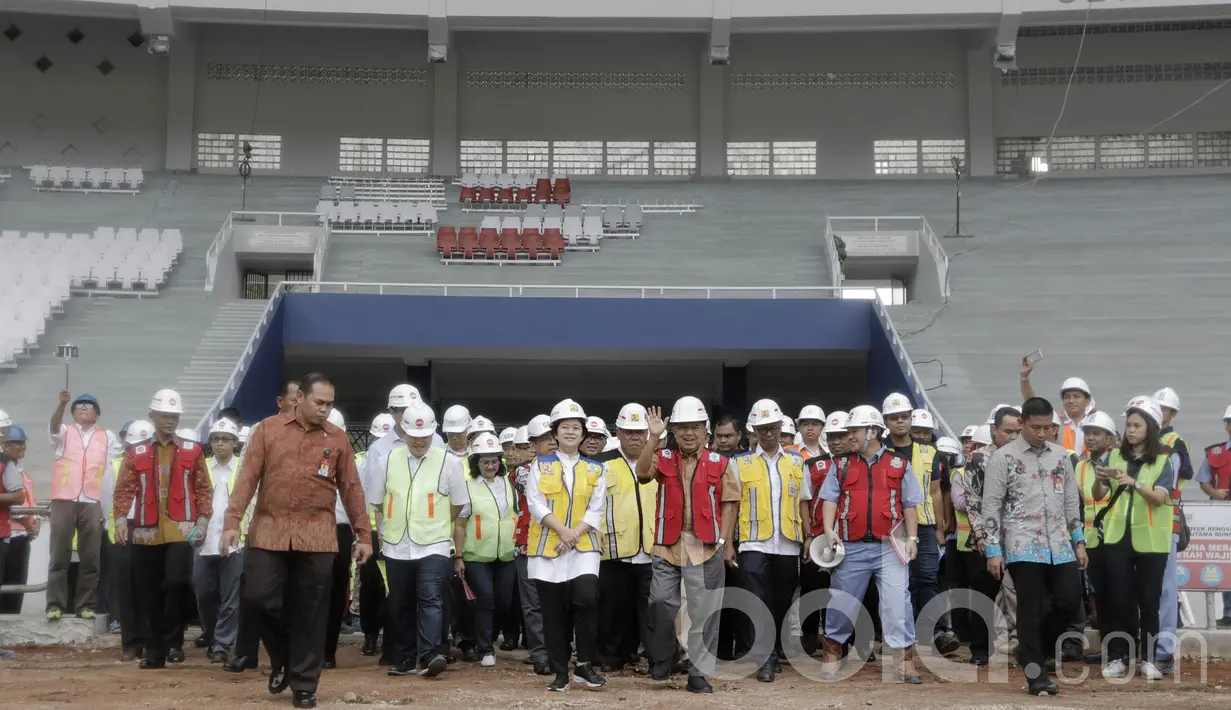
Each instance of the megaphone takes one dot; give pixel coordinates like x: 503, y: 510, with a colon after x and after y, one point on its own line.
x: 826, y: 556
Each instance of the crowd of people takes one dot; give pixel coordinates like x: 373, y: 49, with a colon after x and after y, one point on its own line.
x: 599, y: 552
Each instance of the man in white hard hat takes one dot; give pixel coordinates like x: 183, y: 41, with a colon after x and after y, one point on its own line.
x: 967, y: 438
x: 169, y: 483
x: 698, y: 499
x: 774, y: 512
x: 871, y: 496
x: 454, y: 425
x: 1214, y: 477
x: 1169, y: 403
x: 119, y: 563
x: 372, y: 591
x: 543, y: 443
x: 923, y: 427
x: 507, y: 437
x: 628, y: 534
x: 811, y: 424
x: 1078, y: 403
x: 216, y: 579
x: 899, y: 417
x: 595, y: 438
x: 478, y: 425
x: 818, y: 468
x: 421, y: 492
x: 400, y: 398
x: 786, y: 434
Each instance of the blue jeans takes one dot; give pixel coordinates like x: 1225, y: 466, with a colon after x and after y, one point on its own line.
x: 925, y: 578
x: 416, y: 611
x: 492, y: 584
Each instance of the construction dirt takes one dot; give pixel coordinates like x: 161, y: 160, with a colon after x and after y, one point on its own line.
x: 96, y: 679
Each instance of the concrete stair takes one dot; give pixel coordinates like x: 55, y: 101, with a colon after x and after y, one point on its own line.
x: 221, y: 347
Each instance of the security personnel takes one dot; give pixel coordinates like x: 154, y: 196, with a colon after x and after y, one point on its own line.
x: 925, y: 568
x: 542, y: 443
x: 773, y: 515
x: 372, y: 587
x: 1215, y: 480
x: 1099, y: 435
x: 421, y: 491
x: 870, y: 495
x: 817, y: 468
x: 625, y: 572
x: 811, y: 424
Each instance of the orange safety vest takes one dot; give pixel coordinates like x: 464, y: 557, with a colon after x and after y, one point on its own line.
x: 81, y: 467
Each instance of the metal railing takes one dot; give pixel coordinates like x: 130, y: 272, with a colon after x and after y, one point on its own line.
x: 919, y: 225
x: 211, y: 254
x: 38, y: 511
x: 281, y: 219
x: 568, y: 291
x: 831, y: 255
x: 919, y: 394
x: 322, y: 250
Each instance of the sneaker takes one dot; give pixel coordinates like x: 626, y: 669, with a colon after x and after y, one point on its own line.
x: 470, y: 656
x: 1115, y: 669
x: 113, y: 627
x: 434, y: 667
x: 1150, y: 672
x: 489, y: 660
x: 54, y: 614
x: 584, y: 673
x: 559, y: 685
x: 86, y: 613
x: 1224, y: 622
x: 1166, y: 667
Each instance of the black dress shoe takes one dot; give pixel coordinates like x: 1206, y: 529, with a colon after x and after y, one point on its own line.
x: 151, y: 664
x: 303, y: 699
x: 683, y: 665
x: 611, y: 667
x: 765, y: 673
x: 239, y: 664
x: 947, y: 643
x: 434, y: 667
x: 369, y: 646
x: 1043, y: 687
x: 542, y: 668
x: 175, y: 655
x: 130, y: 654
x: 508, y: 645
x: 329, y: 664
x: 217, y: 655
x: 697, y: 684
x: 401, y: 668
x: 201, y: 642
x: 1093, y: 658
x: 278, y: 680
x: 470, y: 655
x: 777, y: 666
x: 385, y: 660
x: 660, y: 670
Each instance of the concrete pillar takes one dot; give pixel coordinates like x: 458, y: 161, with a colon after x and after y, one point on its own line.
x: 446, y: 159
x: 981, y: 79
x: 181, y: 100
x: 711, y: 113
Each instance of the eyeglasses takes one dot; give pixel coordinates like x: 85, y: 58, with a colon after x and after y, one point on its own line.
x: 490, y: 463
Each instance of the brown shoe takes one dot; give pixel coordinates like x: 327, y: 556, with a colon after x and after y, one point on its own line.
x: 832, y: 661
x: 904, y: 659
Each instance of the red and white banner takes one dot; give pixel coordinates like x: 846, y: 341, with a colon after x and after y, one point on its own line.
x: 1206, y: 564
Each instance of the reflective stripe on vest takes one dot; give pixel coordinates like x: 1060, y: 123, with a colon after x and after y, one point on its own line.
x: 921, y: 460
x: 81, y: 467
x: 489, y: 535
x: 414, y: 505
x: 756, y: 514
x: 1086, y: 476
x: 628, y: 518
x: 1150, y: 527
x: 870, y: 500
x: 567, y: 506
x: 961, y: 518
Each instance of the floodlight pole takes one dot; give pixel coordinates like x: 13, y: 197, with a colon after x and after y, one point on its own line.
x: 957, y: 230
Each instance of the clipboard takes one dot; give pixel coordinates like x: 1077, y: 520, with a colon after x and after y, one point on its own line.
x: 897, y: 540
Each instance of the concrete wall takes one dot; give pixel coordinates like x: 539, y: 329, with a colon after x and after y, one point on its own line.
x: 73, y: 113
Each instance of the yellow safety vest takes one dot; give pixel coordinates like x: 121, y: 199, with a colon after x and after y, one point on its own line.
x: 960, y: 517
x: 416, y: 505
x: 756, y: 516
x: 1170, y: 439
x: 921, y: 460
x: 489, y: 535
x: 628, y: 520
x: 1151, y: 529
x: 569, y: 507
x: 110, y: 511
x: 1086, y: 475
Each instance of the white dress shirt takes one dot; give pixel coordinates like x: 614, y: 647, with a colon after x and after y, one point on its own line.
x: 222, y: 497
x: 57, y: 440
x: 573, y: 563
x: 452, y: 484
x: 777, y: 544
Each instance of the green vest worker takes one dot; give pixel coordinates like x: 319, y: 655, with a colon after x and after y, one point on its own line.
x: 1137, y: 529
x: 420, y: 491
x: 484, y: 534
x: 1099, y: 433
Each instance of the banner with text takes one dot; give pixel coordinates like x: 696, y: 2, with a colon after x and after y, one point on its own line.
x: 1206, y: 564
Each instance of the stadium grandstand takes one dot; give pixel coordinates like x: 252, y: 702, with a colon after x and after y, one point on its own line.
x: 510, y: 205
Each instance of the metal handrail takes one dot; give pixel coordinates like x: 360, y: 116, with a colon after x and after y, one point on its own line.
x: 904, y: 361
x: 831, y: 255
x: 245, y: 359
x: 215, y: 248
x: 923, y: 230
x: 573, y: 291
x: 40, y: 511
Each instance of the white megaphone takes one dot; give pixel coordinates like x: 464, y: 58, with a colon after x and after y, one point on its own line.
x: 826, y: 556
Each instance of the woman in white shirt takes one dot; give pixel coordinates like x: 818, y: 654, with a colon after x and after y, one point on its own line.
x: 567, y: 494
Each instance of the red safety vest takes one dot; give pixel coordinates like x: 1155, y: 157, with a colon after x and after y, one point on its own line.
x: 818, y: 468
x: 1218, y: 457
x: 27, y: 485
x: 870, y: 502
x: 523, y: 517
x: 181, y: 491
x: 706, y: 496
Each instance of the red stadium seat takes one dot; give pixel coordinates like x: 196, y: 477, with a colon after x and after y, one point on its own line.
x: 525, y: 194
x: 469, y: 194
x: 563, y: 184
x: 542, y: 190
x: 446, y: 241
x: 532, y: 242
x: 510, y: 242
x: 489, y: 242
x: 553, y: 241
x: 505, y: 195
x: 468, y: 241
x: 487, y: 194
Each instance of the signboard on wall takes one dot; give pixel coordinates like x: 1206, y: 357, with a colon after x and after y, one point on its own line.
x: 273, y: 239
x: 1206, y: 564
x: 880, y: 244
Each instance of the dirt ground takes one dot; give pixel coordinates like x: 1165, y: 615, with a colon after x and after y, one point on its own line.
x: 95, y: 678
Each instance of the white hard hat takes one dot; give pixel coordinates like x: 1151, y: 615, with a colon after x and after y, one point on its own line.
x: 991, y: 416
x: 688, y: 409
x: 1227, y: 414
x: 456, y: 421
x: 480, y: 424
x: 948, y: 445
x: 798, y: 440
x: 508, y: 434
x: 968, y: 431
x: 403, y: 396
x: 633, y: 417
x: 5, y: 420
x: 1075, y: 383
x: 1146, y: 405
x: 335, y: 418
x: 222, y: 426
x: 540, y: 425
x: 486, y: 443
x: 567, y: 409
x: 522, y: 436
x: 419, y: 420
x: 243, y: 434
x: 896, y: 404
x: 382, y: 424
x: 766, y: 411
x: 864, y: 416
x: 836, y: 423
x: 167, y: 402
x: 186, y: 434
x: 1055, y: 418
x: 1099, y: 420
x: 1166, y: 397
x: 982, y: 435
x: 596, y: 425
x: 811, y: 412
x: 922, y: 418
x: 788, y: 426
x: 142, y: 430
x: 826, y: 556
x: 612, y: 444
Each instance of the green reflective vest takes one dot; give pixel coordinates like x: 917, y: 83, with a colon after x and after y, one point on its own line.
x: 416, y: 505
x: 1086, y: 475
x: 489, y: 535
x: 960, y: 517
x: 110, y: 511
x: 1150, y: 526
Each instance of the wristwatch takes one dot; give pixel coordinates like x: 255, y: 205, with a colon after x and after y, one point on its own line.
x: 914, y: 539
x: 1137, y: 485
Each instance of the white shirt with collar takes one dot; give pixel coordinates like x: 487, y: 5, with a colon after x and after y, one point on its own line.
x: 807, y: 453
x: 452, y: 484
x: 777, y: 544
x: 642, y: 557
x: 573, y: 563
x: 57, y: 441
x: 222, y: 497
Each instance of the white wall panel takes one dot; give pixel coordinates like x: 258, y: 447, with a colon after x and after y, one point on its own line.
x: 312, y: 117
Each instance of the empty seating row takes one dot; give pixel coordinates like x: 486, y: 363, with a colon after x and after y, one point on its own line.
x: 123, y: 260
x: 61, y: 178
x: 490, y: 188
x: 579, y: 234
x: 469, y: 243
x: 421, y: 190
x: 379, y: 216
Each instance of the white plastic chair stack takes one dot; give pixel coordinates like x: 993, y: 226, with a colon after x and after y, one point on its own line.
x: 572, y: 229
x: 592, y: 229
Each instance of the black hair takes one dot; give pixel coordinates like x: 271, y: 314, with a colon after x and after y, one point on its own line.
x: 1037, y: 407
x: 473, y: 461
x: 998, y: 417
x: 1153, y: 446
x: 287, y: 384
x: 311, y: 380
x: 231, y: 413
x: 728, y: 419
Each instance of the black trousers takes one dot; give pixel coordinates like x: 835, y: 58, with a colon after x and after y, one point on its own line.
x: 623, y: 598
x: 123, y: 596
x: 1137, y: 578
x: 458, y: 615
x: 1036, y: 632
x: 248, y: 637
x: 570, y: 610
x: 511, y: 623
x: 339, y: 585
x: 772, y: 578
x: 812, y: 578
x: 372, y: 607
x: 1096, y: 572
x: 16, y: 570
x: 982, y: 589
x: 288, y: 592
x: 161, y: 576
x: 734, y: 626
